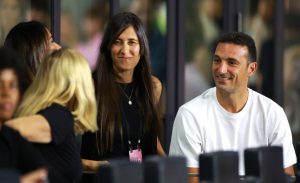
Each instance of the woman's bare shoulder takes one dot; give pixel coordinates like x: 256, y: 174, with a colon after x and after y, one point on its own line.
x: 157, y: 88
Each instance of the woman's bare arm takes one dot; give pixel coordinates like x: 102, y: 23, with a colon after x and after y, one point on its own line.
x: 92, y: 165
x: 160, y: 149
x: 157, y: 89
x: 34, y: 128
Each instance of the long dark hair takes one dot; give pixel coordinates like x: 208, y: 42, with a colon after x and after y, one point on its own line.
x: 108, y: 92
x: 30, y: 41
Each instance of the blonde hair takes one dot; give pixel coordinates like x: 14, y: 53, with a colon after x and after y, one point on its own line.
x: 64, y: 77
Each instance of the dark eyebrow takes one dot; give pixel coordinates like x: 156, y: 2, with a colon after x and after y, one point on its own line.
x: 232, y: 59
x: 215, y: 56
x: 133, y: 39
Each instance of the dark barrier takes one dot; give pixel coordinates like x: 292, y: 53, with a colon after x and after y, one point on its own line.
x: 9, y: 176
x: 120, y: 171
x: 265, y: 165
x: 165, y: 170
x: 219, y: 167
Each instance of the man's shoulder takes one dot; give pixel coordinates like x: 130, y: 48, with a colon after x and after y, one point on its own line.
x: 201, y: 100
x: 263, y: 100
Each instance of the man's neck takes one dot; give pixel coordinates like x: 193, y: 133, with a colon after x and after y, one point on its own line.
x: 233, y: 102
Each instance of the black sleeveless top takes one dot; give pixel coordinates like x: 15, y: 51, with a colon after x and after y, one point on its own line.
x: 132, y: 125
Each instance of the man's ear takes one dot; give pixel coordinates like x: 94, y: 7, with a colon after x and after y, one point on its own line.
x: 252, y: 67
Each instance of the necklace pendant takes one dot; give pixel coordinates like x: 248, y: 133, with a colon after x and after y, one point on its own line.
x: 130, y: 102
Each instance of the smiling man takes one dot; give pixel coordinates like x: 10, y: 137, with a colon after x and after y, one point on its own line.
x: 231, y: 116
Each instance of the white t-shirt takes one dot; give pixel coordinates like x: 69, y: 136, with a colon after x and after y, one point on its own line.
x: 203, y: 125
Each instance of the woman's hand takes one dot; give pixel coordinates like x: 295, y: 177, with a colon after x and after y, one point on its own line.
x: 91, y: 165
x: 36, y: 176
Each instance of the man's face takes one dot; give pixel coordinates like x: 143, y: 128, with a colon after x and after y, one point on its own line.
x: 231, y: 69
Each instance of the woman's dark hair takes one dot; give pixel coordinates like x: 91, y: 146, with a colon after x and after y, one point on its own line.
x: 9, y: 60
x: 108, y: 92
x: 30, y: 41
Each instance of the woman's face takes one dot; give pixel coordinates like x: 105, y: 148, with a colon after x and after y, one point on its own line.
x: 125, y: 51
x: 52, y: 45
x: 9, y: 94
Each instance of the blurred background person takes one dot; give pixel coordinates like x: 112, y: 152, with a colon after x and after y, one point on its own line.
x: 68, y: 31
x: 153, y: 15
x: 260, y: 26
x: 39, y: 11
x: 210, y: 16
x: 93, y: 26
x: 261, y: 21
x: 291, y: 67
x: 197, y: 67
x: 196, y: 73
x: 11, y: 13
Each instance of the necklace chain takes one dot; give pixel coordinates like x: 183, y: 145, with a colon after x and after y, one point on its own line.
x: 128, y: 97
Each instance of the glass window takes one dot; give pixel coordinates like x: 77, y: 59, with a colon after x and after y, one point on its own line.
x: 258, y: 22
x: 14, y: 11
x: 292, y: 66
x: 82, y: 25
x: 11, y: 13
x: 40, y: 11
x: 153, y: 15
x: 203, y: 24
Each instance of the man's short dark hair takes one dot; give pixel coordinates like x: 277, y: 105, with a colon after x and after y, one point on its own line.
x: 241, y: 39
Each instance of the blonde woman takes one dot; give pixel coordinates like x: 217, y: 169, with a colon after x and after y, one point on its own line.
x: 57, y: 105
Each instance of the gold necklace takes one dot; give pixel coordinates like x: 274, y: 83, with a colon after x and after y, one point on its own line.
x: 128, y: 97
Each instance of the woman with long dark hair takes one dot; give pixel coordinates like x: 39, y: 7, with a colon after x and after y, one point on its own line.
x: 127, y: 96
x: 32, y: 41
